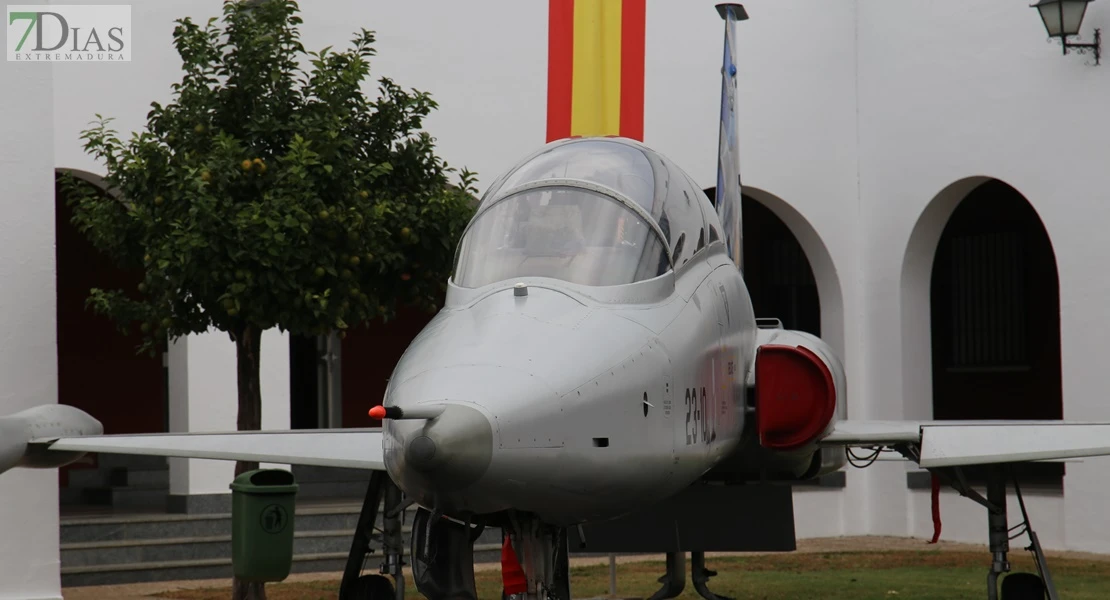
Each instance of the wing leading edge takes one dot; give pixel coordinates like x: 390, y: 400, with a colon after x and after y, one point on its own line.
x: 351, y: 448
x: 957, y: 443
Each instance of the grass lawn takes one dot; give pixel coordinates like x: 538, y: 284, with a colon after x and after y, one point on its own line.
x: 920, y: 575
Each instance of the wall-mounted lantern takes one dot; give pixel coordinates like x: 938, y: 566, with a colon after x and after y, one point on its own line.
x: 1062, y: 18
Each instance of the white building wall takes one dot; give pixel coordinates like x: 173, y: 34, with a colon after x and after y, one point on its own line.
x: 204, y: 397
x: 856, y: 116
x: 28, y: 358
x: 950, y: 91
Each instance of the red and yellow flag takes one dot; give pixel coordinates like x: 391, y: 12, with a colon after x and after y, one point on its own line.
x: 595, y: 68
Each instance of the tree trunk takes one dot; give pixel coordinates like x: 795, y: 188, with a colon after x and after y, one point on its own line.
x: 247, y: 354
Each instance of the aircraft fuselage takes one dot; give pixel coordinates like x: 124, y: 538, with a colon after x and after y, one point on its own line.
x: 567, y: 401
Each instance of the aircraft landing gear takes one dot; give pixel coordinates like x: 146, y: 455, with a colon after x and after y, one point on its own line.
x: 442, y: 550
x: 443, y: 556
x: 541, y: 551
x: 1016, y: 586
x: 701, y: 576
x: 674, y: 580
x: 356, y: 586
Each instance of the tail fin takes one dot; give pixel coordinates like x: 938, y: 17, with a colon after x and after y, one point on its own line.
x: 728, y: 155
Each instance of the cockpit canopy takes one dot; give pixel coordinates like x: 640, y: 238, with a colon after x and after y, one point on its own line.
x: 592, y: 211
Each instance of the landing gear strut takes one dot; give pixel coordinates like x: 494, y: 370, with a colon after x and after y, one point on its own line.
x: 674, y: 580
x: 541, y: 551
x: 355, y: 585
x: 443, y: 556
x: 1015, y: 586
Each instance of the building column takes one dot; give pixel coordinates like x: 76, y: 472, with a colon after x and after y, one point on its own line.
x: 29, y: 558
x: 203, y: 397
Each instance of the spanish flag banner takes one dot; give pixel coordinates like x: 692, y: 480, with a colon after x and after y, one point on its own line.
x: 595, y: 68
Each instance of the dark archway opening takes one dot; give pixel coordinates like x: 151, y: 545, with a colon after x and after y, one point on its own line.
x: 335, y: 382
x: 776, y: 269
x: 99, y: 370
x: 369, y: 356
x: 995, y: 315
x: 337, y: 385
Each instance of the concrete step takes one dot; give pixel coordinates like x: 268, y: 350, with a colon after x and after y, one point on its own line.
x: 156, y: 526
x: 83, y: 478
x: 116, y: 552
x: 164, y: 547
x: 219, y: 568
x: 108, y: 462
x: 330, y: 482
x: 121, y: 476
x: 131, y: 496
x: 68, y: 496
x: 345, y: 490
x: 308, y: 474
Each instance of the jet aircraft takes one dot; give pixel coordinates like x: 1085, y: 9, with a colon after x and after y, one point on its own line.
x: 597, y: 356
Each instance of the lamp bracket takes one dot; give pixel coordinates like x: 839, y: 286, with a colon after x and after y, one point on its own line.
x: 1094, y: 48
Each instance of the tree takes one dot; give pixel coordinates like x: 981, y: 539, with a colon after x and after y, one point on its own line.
x: 271, y: 194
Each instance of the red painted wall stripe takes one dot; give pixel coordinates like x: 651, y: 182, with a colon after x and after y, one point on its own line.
x: 560, y: 62
x: 632, y: 68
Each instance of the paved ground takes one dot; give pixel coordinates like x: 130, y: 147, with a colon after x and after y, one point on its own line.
x: 144, y: 591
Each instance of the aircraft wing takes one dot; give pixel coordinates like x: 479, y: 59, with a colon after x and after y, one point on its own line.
x: 351, y: 448
x: 955, y: 443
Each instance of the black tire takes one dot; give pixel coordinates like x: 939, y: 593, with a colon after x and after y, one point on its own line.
x: 373, y: 587
x: 1022, y: 586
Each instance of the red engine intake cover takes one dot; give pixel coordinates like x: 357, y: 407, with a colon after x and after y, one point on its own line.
x: 795, y: 396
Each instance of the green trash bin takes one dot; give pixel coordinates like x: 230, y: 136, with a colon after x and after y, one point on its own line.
x: 262, y: 503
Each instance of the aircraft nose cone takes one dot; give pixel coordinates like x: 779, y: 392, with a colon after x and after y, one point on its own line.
x: 450, y: 451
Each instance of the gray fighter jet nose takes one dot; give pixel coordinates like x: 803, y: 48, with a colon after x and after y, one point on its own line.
x: 452, y: 450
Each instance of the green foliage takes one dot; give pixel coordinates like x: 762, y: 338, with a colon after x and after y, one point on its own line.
x: 270, y: 194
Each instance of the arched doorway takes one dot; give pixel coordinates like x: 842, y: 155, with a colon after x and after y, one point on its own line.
x: 334, y: 382
x: 99, y: 370
x: 777, y: 271
x: 995, y: 314
x: 777, y: 267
